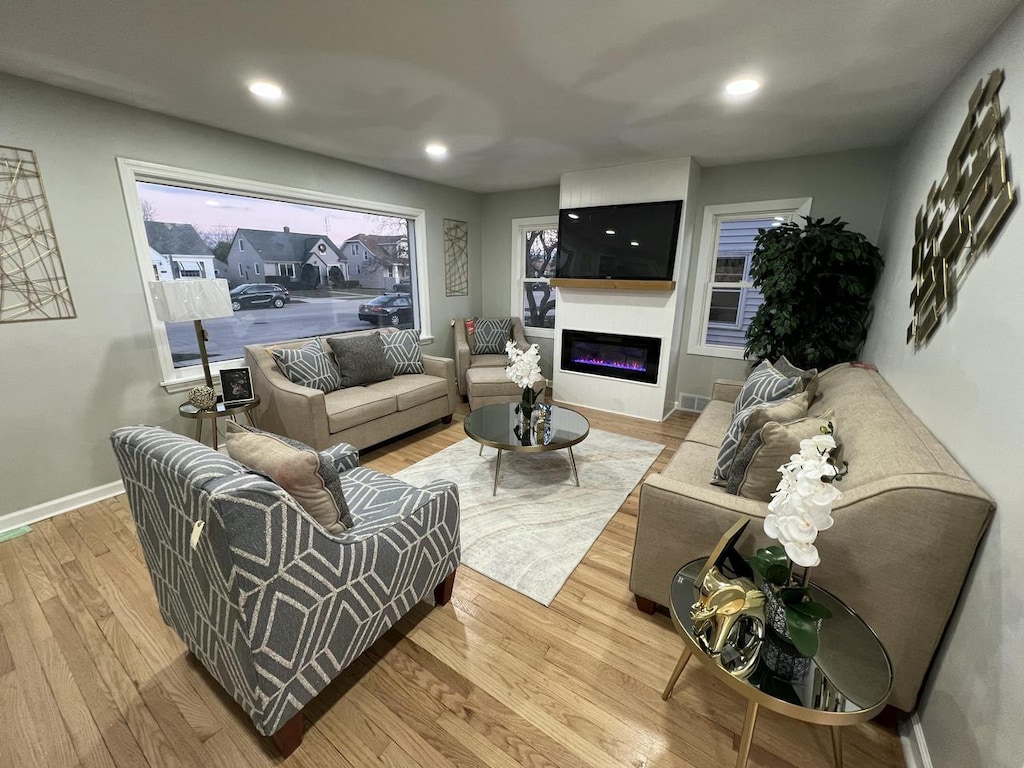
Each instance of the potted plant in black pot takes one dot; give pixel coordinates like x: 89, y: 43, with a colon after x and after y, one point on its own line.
x: 817, y: 281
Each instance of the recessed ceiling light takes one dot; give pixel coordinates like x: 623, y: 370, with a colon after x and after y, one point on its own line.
x: 436, y: 150
x: 742, y: 87
x: 609, y: 231
x: 574, y: 215
x: 212, y: 203
x: 634, y: 243
x: 266, y: 90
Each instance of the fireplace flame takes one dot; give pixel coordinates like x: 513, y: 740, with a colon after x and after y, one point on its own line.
x: 629, y: 365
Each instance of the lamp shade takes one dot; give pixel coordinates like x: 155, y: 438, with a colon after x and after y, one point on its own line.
x: 176, y: 301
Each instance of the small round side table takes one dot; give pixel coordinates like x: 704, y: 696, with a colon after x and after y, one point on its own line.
x: 220, y: 411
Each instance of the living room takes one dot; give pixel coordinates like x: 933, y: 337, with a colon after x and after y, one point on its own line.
x: 820, y: 128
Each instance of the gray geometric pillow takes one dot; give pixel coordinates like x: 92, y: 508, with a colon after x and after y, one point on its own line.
x: 360, y: 359
x: 730, y: 444
x: 765, y: 385
x: 809, y: 376
x: 309, y: 366
x: 402, y: 350
x: 748, y: 422
x: 491, y: 335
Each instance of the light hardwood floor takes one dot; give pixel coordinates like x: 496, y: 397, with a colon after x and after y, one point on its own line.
x: 90, y: 675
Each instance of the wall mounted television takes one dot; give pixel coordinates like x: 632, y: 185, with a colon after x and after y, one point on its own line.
x: 619, y: 242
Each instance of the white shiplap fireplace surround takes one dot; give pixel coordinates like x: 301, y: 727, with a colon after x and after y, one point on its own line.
x: 657, y: 314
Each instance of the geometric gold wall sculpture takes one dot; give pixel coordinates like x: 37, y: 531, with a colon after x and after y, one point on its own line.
x: 32, y: 281
x: 456, y: 258
x: 962, y: 212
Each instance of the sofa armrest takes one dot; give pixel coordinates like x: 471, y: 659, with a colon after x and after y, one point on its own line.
x: 287, y: 408
x: 726, y: 390
x: 443, y: 367
x: 519, y: 334
x: 462, y: 353
x: 344, y: 456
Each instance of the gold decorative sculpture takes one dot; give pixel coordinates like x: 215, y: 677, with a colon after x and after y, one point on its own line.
x: 32, y: 281
x: 456, y: 258
x: 962, y: 212
x: 728, y: 621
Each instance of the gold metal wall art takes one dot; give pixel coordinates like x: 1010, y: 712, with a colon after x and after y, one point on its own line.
x: 962, y: 212
x: 32, y: 281
x: 456, y: 258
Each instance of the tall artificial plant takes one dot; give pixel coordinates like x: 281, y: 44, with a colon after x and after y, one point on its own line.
x: 817, y: 281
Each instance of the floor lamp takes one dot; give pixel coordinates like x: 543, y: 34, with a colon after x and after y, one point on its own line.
x: 177, y: 301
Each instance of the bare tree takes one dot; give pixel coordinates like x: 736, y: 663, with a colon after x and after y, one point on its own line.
x: 218, y: 238
x: 542, y: 250
x: 148, y: 211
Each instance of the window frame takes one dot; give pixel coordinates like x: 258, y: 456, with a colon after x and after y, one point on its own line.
x: 791, y: 208
x: 519, y: 229
x: 132, y: 171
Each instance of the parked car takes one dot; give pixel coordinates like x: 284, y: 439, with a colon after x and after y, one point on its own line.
x: 403, y: 287
x: 259, y: 295
x: 390, y: 309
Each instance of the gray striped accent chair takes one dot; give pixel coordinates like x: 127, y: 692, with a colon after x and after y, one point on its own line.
x: 268, y: 601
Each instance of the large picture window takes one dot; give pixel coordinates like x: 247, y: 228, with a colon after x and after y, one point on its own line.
x: 725, y: 300
x: 298, y: 263
x: 534, y: 257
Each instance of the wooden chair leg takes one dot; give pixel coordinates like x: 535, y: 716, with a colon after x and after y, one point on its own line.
x: 443, y: 591
x: 645, y: 605
x: 289, y: 737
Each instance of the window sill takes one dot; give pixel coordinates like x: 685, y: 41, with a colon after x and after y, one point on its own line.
x: 729, y: 353
x: 539, y: 333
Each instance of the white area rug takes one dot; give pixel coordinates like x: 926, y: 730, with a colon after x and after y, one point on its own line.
x: 533, y: 534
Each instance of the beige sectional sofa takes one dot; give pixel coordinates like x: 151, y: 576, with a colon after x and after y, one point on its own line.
x: 905, y: 532
x: 361, y: 416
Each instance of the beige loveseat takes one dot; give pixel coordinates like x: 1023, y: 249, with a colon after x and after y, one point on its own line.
x: 905, y: 532
x: 361, y: 416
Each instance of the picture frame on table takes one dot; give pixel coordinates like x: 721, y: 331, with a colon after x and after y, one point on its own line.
x: 236, y: 386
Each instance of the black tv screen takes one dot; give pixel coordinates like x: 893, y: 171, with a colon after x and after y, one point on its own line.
x: 619, y: 242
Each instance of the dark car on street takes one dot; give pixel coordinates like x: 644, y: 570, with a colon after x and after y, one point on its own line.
x: 259, y: 295
x: 390, y: 309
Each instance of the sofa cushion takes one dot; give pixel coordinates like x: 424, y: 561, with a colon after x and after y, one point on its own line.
x: 413, y: 389
x: 310, y: 477
x: 783, y: 410
x: 490, y: 335
x: 360, y: 359
x: 402, y: 350
x: 692, y: 464
x: 755, y: 472
x: 489, y: 361
x: 353, y: 406
x: 491, y: 382
x: 308, y: 365
x: 765, y: 385
x: 712, y: 424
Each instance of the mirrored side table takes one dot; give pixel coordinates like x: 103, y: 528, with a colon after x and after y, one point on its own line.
x: 220, y: 411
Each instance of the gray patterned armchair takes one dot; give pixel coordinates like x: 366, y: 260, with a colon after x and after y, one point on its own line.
x: 268, y: 601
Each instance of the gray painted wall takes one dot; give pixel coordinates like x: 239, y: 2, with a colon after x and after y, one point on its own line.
x: 853, y: 185
x: 965, y: 385
x: 65, y: 384
x: 499, y: 209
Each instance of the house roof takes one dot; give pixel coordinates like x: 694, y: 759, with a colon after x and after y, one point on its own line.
x: 169, y: 238
x: 283, y: 246
x: 378, y: 245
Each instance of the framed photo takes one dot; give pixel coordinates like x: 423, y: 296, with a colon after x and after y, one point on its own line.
x: 236, y: 386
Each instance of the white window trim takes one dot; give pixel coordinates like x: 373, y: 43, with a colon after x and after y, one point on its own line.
x: 132, y: 171
x: 713, y: 214
x: 519, y: 229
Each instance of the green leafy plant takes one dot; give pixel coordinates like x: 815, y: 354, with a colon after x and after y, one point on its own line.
x: 817, y: 281
x: 802, y: 613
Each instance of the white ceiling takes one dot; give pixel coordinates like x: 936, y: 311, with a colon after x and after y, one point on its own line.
x: 521, y: 90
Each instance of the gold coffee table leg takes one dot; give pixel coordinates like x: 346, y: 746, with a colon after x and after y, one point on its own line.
x: 683, y: 658
x: 837, y: 746
x: 748, y: 735
x: 497, y: 469
x: 572, y: 463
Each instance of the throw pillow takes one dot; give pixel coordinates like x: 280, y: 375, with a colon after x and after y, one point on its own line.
x: 765, y: 385
x: 808, y: 376
x: 360, y: 359
x: 309, y: 366
x: 310, y: 477
x: 491, y: 335
x: 747, y: 422
x: 755, y: 472
x: 402, y: 351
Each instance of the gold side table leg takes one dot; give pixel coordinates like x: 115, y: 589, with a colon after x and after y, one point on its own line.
x: 481, y: 451
x: 683, y: 658
x: 251, y: 417
x: 497, y: 469
x: 215, y: 435
x: 572, y: 463
x: 199, y: 430
x: 748, y: 735
x: 837, y: 746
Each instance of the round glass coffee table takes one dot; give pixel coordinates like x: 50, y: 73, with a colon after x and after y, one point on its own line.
x: 848, y: 682
x: 551, y: 428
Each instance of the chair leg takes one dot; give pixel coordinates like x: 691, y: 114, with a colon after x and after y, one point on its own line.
x: 289, y: 737
x: 443, y: 591
x: 644, y: 604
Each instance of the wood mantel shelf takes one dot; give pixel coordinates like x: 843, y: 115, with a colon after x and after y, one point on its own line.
x: 614, y: 285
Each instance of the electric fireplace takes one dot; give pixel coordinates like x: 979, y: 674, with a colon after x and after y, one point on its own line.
x: 633, y: 358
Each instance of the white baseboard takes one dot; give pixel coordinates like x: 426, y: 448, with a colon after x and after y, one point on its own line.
x: 59, y: 506
x: 915, y: 748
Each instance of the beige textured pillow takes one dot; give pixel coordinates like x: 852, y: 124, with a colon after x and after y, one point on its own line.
x: 755, y: 472
x: 297, y: 468
x: 783, y: 411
